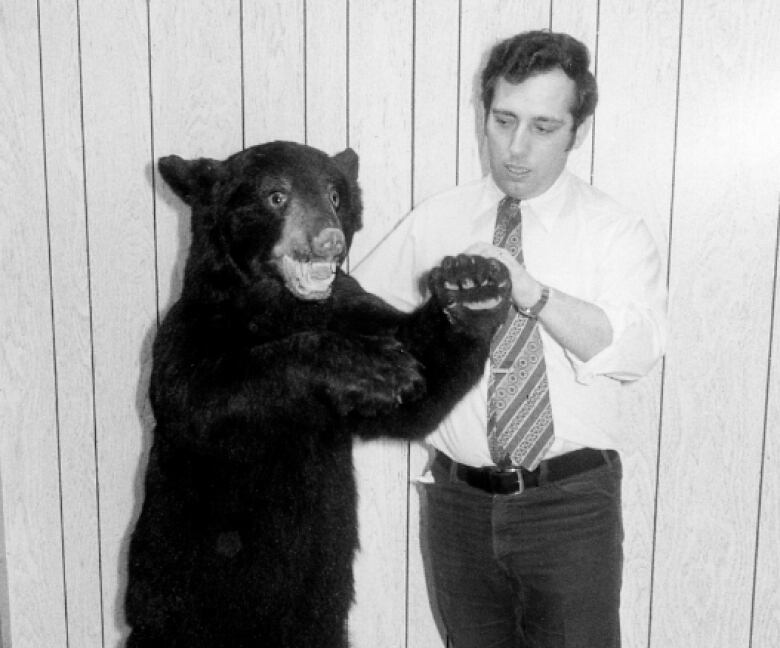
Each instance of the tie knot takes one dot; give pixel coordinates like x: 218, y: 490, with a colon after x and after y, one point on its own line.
x: 509, y: 209
x: 510, y: 204
x: 508, y: 224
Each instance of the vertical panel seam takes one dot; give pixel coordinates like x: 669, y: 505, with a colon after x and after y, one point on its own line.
x: 595, y: 74
x: 305, y: 74
x: 674, y: 143
x: 241, y: 67
x: 152, y: 155
x: 664, y: 362
x: 57, y: 429
x: 763, y: 438
x: 91, y: 326
x: 348, y: 260
x: 413, y: 90
x: 412, y: 142
x: 346, y: 85
x: 457, y: 92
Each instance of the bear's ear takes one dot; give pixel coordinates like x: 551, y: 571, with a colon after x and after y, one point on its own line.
x: 347, y: 161
x: 191, y: 180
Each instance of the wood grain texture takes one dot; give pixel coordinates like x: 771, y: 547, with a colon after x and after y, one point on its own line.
x: 120, y: 217
x: 326, y: 74
x: 32, y: 592
x: 483, y: 23
x: 196, y: 91
x: 380, y: 115
x: 395, y: 80
x: 766, y: 606
x: 380, y: 129
x: 72, y: 325
x: 635, y: 165
x: 274, y: 70
x: 436, y: 90
x: 722, y: 261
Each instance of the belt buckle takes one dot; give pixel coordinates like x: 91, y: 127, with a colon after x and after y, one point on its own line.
x: 496, y: 477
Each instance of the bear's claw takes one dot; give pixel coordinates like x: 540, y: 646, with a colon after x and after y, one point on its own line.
x: 474, y: 292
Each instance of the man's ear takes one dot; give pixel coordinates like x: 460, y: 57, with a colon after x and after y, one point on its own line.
x: 581, y: 133
x: 191, y: 180
x: 347, y: 161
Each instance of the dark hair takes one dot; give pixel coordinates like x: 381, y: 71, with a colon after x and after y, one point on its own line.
x: 533, y: 52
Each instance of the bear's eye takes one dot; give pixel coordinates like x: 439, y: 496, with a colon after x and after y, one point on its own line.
x: 277, y: 199
x: 335, y: 199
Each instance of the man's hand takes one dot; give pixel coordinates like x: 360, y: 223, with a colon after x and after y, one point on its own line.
x: 526, y: 290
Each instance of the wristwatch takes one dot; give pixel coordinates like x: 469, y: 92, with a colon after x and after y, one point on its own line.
x: 533, y: 311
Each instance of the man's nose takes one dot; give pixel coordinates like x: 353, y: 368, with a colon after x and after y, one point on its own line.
x: 520, y: 141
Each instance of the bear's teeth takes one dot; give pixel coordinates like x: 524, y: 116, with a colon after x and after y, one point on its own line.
x: 308, y: 280
x: 321, y: 271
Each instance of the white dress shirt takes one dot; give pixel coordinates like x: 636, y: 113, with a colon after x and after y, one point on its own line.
x: 576, y: 240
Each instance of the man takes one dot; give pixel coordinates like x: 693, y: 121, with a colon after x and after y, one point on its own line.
x: 525, y: 526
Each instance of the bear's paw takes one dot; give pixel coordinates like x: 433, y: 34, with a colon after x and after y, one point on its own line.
x: 384, y: 376
x: 474, y: 292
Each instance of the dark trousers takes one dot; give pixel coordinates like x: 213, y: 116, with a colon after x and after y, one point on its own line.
x: 539, y: 569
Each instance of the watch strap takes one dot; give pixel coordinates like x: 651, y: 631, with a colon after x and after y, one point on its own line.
x: 533, y: 311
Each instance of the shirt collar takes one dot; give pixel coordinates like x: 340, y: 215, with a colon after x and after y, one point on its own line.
x: 547, y: 207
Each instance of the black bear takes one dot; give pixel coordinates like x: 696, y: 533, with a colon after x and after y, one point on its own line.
x: 264, y: 370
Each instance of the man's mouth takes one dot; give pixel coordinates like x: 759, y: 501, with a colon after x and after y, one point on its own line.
x: 308, y: 279
x: 517, y: 171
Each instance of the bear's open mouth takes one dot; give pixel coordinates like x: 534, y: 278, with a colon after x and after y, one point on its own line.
x: 308, y: 279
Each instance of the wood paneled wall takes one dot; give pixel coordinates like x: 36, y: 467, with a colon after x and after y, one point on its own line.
x: 92, y: 248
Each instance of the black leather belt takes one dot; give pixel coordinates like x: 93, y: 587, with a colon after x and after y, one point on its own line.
x: 506, y: 481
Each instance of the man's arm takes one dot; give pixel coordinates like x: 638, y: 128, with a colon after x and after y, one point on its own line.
x: 578, y: 326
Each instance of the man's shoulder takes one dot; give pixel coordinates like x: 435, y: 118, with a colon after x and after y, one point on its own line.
x: 444, y: 201
x: 594, y: 204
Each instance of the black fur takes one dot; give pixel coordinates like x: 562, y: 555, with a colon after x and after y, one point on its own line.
x: 248, y: 527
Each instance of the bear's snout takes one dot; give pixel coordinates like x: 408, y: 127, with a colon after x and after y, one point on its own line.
x: 329, y: 243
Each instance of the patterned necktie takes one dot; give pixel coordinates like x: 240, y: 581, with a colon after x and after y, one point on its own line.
x: 520, y: 425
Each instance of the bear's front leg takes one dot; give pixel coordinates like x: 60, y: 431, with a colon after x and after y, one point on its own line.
x: 384, y: 375
x: 450, y: 337
x: 365, y: 374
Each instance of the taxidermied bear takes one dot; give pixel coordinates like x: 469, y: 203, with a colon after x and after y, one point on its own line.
x: 264, y: 370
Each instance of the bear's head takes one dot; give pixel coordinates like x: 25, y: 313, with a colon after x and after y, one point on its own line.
x: 281, y: 211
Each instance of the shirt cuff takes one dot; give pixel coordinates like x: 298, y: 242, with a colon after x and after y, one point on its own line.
x: 634, y: 349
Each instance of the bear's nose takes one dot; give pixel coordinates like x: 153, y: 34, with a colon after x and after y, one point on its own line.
x: 328, y: 243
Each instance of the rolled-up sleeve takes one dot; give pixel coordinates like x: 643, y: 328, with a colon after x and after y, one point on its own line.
x: 632, y: 293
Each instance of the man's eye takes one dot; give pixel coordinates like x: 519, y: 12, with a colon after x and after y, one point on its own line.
x: 545, y: 129
x: 335, y: 199
x: 277, y: 199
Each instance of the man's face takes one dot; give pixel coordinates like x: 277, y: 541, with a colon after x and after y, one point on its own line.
x: 529, y: 132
